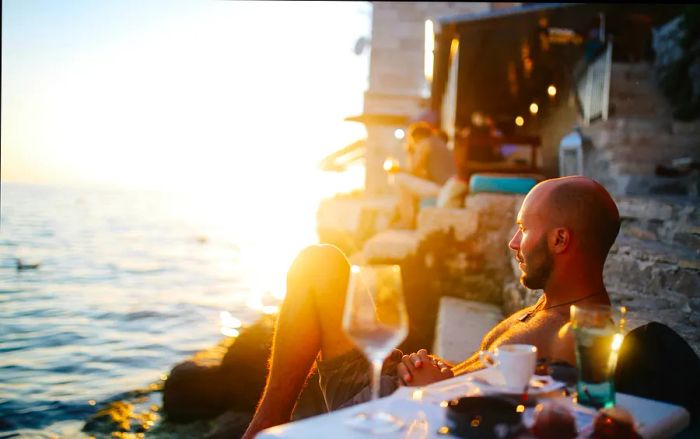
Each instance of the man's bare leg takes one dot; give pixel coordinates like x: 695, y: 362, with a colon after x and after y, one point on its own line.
x: 309, y: 322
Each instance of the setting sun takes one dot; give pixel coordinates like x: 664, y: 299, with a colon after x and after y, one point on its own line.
x: 199, y: 99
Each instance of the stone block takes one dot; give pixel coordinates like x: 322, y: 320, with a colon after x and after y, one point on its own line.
x: 409, y: 29
x: 691, y: 264
x: 640, y: 233
x: 413, y: 45
x: 409, y: 12
x: 391, y: 245
x: 386, y: 44
x: 633, y: 168
x: 498, y: 205
x: 433, y: 219
x: 644, y: 208
x: 685, y: 128
x: 643, y: 125
x: 381, y: 12
x: 347, y: 214
x: 461, y: 324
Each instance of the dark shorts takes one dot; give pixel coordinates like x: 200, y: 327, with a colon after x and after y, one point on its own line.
x: 344, y: 380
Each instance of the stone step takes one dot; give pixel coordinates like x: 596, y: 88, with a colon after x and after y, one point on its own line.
x: 674, y: 260
x: 390, y: 246
x: 688, y: 185
x: 643, y: 125
x: 633, y: 168
x: 682, y: 236
x: 608, y: 138
x: 642, y: 85
x: 625, y: 106
x: 652, y: 154
x: 644, y: 209
x: 631, y: 71
x: 637, y: 93
x: 686, y: 128
x: 638, y: 125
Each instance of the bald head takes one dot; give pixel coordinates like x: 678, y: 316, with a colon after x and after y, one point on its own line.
x: 582, y: 205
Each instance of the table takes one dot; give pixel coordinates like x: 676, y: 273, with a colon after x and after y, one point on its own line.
x: 423, y: 415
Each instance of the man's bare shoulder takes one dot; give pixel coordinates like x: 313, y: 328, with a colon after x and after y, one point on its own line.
x: 510, y: 323
x: 541, y: 329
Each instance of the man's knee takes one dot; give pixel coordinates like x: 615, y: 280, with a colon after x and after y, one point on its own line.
x: 319, y: 263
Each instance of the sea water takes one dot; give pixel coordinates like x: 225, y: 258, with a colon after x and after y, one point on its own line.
x: 127, y: 287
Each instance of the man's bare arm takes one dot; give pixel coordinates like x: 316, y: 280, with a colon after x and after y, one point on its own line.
x: 471, y: 364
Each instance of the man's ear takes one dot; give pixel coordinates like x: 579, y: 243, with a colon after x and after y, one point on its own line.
x: 559, y: 239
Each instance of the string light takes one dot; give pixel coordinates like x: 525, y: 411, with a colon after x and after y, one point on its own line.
x: 519, y: 121
x: 534, y: 108
x: 552, y: 90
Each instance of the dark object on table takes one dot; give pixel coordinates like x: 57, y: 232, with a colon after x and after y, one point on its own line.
x: 564, y: 372
x: 558, y: 370
x: 483, y: 417
x: 554, y: 421
x: 614, y: 423
x: 657, y: 363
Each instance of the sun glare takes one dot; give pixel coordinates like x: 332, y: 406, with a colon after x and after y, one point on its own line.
x: 203, y: 100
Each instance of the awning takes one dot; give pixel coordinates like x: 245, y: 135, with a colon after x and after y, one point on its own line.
x: 340, y: 159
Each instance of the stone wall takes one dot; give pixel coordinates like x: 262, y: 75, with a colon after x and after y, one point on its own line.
x: 641, y: 135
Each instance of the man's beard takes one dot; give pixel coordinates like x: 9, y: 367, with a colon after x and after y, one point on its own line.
x: 539, y: 264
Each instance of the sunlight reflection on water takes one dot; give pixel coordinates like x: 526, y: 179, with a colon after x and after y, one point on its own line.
x: 130, y: 283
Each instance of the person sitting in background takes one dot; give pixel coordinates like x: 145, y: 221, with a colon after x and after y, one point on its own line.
x: 430, y: 164
x: 474, y: 143
x: 566, y: 227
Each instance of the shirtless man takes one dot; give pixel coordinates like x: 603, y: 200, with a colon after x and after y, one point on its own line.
x: 566, y: 227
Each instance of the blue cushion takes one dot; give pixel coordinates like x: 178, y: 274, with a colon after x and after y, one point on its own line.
x: 501, y: 183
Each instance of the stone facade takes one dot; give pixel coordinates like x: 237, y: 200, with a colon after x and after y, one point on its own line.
x: 397, y: 83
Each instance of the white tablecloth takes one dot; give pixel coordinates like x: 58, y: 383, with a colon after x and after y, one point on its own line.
x: 420, y: 410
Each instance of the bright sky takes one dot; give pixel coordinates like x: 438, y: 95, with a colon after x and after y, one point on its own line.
x: 233, y: 103
x: 175, y: 94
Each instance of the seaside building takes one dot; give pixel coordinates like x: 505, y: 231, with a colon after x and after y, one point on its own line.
x: 593, y: 73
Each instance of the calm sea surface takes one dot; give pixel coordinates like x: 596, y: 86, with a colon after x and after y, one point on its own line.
x: 129, y: 284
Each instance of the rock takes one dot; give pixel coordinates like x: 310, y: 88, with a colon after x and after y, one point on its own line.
x: 245, y: 363
x: 231, y: 424
x: 196, y: 391
x: 435, y: 219
x: 347, y: 222
x: 119, y: 418
x: 206, y: 386
x: 390, y: 245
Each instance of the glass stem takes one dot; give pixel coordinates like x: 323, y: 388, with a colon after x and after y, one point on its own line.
x: 376, y: 378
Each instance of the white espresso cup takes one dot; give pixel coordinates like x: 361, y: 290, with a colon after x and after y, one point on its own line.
x: 516, y: 362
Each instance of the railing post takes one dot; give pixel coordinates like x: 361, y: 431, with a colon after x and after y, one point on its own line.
x: 606, y: 81
x: 588, y: 97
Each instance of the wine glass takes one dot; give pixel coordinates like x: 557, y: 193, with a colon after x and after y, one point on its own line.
x: 375, y: 320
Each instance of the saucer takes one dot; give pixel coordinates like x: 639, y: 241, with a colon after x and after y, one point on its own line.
x: 492, y: 381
